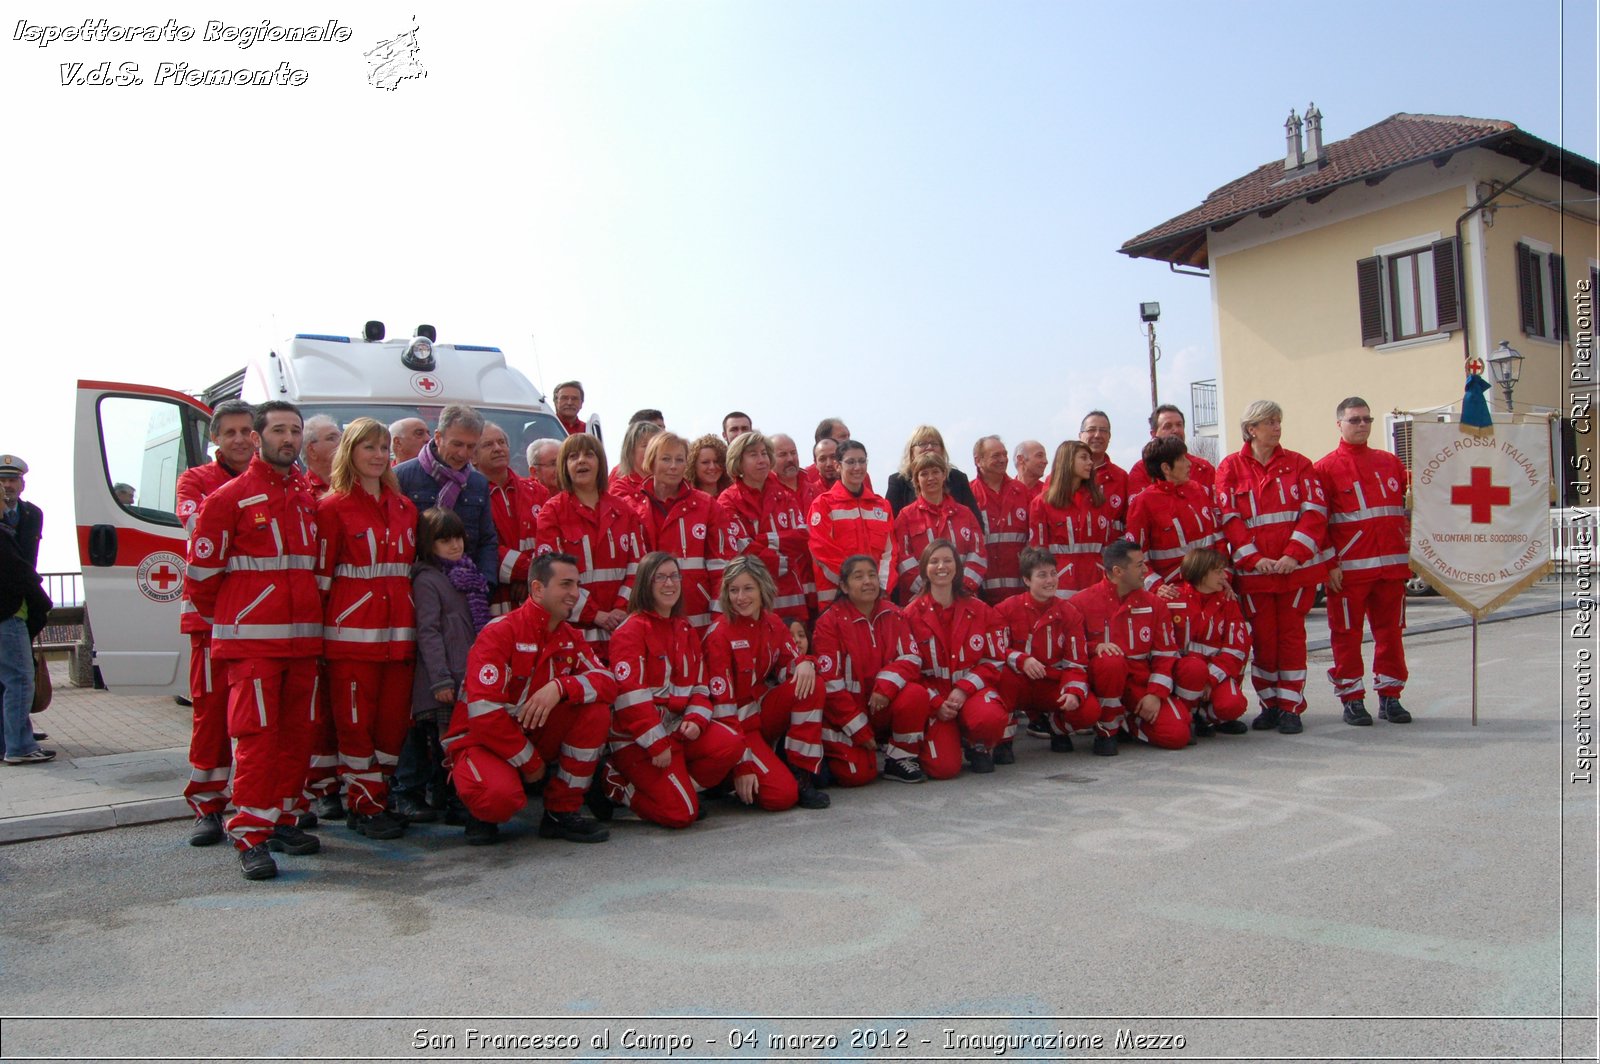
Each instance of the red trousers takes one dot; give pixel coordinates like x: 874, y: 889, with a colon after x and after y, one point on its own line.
x: 1121, y: 684
x: 898, y: 728
x: 1040, y: 696
x: 370, y: 703
x: 270, y: 703
x: 322, y: 767
x: 572, y: 738
x: 796, y: 721
x: 1196, y: 682
x: 981, y: 720
x: 1381, y: 604
x: 210, y: 751
x: 1278, y: 657
x: 667, y: 796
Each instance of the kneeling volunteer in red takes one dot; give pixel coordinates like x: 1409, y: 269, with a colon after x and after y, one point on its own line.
x: 962, y: 643
x: 1045, y: 670
x: 872, y: 678
x: 534, y: 693
x: 761, y: 683
x: 366, y: 542
x: 1209, y: 626
x: 664, y: 745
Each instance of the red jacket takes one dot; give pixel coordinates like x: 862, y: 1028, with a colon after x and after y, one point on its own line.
x: 1368, y: 528
x: 607, y: 543
x: 1113, y: 481
x: 919, y: 524
x: 769, y: 524
x: 319, y: 487
x: 193, y: 486
x: 858, y: 657
x: 1213, y: 627
x: 514, y: 506
x: 252, y: 558
x: 1005, y: 533
x: 1168, y: 521
x: 961, y: 645
x: 1272, y: 511
x: 1201, y: 473
x: 365, y: 547
x: 743, y: 658
x: 661, y: 679
x: 515, y: 655
x: 1052, y: 635
x: 625, y: 486
x: 1075, y: 535
x: 803, y: 491
x: 576, y: 427
x: 1137, y: 624
x: 843, y: 524
x: 692, y: 528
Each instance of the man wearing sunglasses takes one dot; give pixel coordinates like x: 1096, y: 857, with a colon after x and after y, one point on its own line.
x: 1369, y: 530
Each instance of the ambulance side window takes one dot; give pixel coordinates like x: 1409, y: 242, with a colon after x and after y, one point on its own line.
x: 143, y: 447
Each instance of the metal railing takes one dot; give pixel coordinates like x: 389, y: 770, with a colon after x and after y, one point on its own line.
x: 1203, y: 403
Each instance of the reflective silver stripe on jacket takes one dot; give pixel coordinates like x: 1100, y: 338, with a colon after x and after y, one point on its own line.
x: 1367, y: 514
x: 369, y: 635
x: 272, y: 565
x: 1375, y: 563
x: 372, y: 572
x: 266, y: 631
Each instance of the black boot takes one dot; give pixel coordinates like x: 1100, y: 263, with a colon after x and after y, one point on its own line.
x: 810, y: 796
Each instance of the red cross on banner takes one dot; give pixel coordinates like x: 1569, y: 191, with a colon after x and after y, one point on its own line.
x: 1481, y: 495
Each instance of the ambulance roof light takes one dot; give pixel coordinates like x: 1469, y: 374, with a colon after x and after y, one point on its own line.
x: 430, y: 332
x: 419, y: 355
x: 373, y: 331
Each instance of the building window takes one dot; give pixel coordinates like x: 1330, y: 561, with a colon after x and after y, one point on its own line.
x: 1410, y: 293
x: 1541, y: 292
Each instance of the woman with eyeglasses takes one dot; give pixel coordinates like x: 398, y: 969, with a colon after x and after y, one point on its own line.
x: 902, y: 489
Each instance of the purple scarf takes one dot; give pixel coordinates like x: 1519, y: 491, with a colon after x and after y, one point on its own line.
x: 450, y: 481
x: 465, y: 578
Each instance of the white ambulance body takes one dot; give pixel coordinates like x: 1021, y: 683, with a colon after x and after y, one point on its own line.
x: 133, y: 555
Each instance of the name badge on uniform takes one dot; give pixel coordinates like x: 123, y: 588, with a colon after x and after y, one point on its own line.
x: 528, y: 648
x: 740, y: 644
x: 1140, y: 609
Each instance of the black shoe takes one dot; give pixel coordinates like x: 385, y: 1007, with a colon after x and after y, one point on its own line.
x: 980, y: 758
x: 404, y: 807
x: 380, y: 825
x: 292, y: 841
x: 574, y: 827
x: 903, y: 770
x: 1040, y: 729
x: 1232, y: 727
x: 40, y: 736
x: 182, y: 701
x: 257, y: 863
x: 810, y: 797
x: 305, y: 821
x: 1204, y: 728
x: 1061, y: 744
x: 207, y: 830
x: 455, y: 812
x: 481, y: 832
x: 1105, y: 745
x: 1267, y: 719
x: 328, y: 807
x: 598, y: 801
x: 1004, y: 754
x: 1391, y: 710
x: 1355, y: 712
x: 1289, y: 724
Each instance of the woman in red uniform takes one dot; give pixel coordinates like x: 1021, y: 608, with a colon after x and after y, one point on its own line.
x: 849, y: 519
x: 764, y: 520
x: 366, y: 542
x: 664, y: 745
x: 685, y: 522
x: 1214, y: 640
x: 1172, y: 516
x: 708, y: 464
x: 1072, y: 520
x: 874, y: 697
x: 1275, y: 518
x: 962, y: 643
x: 931, y: 516
x: 761, y: 684
x: 600, y: 531
x: 626, y: 480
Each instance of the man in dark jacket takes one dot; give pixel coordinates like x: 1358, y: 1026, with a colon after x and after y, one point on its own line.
x: 442, y: 475
x: 24, y: 517
x: 23, y: 609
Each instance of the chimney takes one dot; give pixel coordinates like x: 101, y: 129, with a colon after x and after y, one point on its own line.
x: 1316, y: 154
x: 1294, y: 157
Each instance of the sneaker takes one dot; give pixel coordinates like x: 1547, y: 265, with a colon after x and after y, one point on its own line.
x: 1391, y: 710
x: 980, y: 758
x: 1004, y: 754
x: 1289, y: 724
x: 1267, y: 719
x: 1232, y: 727
x: 1355, y: 713
x: 1039, y: 729
x: 207, y: 830
x: 39, y: 756
x: 257, y: 863
x: 380, y: 825
x: 903, y: 770
x: 292, y: 841
x: 328, y: 807
x: 1105, y: 746
x: 1061, y: 744
x: 810, y: 797
x: 481, y: 832
x: 574, y: 827
x: 403, y: 806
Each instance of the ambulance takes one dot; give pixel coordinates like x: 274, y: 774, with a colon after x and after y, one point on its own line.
x: 133, y: 553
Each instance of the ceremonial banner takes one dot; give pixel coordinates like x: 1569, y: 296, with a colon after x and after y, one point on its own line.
x: 1480, y: 518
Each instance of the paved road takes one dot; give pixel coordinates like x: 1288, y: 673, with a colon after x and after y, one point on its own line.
x: 1431, y: 870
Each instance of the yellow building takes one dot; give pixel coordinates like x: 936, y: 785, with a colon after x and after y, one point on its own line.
x: 1376, y: 265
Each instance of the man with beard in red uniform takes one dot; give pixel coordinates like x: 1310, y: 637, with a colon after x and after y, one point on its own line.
x: 1095, y: 434
x: 514, y: 503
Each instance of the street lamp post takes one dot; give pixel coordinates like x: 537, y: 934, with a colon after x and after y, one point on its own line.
x: 1506, y: 365
x: 1150, y: 313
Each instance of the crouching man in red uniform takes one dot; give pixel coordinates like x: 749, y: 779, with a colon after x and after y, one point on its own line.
x: 1045, y: 672
x: 534, y: 694
x: 1131, y: 654
x: 1211, y: 629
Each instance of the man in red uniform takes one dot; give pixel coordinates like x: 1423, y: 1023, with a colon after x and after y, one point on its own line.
x: 1046, y: 673
x: 1003, y: 505
x: 735, y: 423
x: 1167, y: 420
x: 316, y: 452
x: 1131, y: 654
x: 1369, y: 532
x: 210, y: 752
x: 786, y: 467
x: 1095, y: 434
x: 534, y: 694
x: 829, y: 428
x: 514, y: 503
x: 251, y: 560
x: 321, y: 798
x: 1031, y: 463
x: 568, y: 399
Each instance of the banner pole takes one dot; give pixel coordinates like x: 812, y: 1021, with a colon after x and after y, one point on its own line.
x: 1474, y: 671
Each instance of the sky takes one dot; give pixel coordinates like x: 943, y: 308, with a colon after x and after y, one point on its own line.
x: 893, y: 212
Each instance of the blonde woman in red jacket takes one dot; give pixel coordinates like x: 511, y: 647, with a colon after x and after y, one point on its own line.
x: 1214, y: 642
x: 765, y: 521
x: 684, y: 521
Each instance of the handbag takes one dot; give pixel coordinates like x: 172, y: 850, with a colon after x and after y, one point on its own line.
x: 42, y: 691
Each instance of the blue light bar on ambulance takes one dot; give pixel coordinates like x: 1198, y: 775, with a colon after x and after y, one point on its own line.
x: 320, y: 336
x: 473, y: 347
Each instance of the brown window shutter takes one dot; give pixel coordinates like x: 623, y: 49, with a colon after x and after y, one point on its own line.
x: 1446, y: 285
x: 1369, y: 286
x: 1527, y: 291
x: 1558, y: 292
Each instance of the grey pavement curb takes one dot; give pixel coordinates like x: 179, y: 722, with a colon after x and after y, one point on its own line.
x: 1457, y: 621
